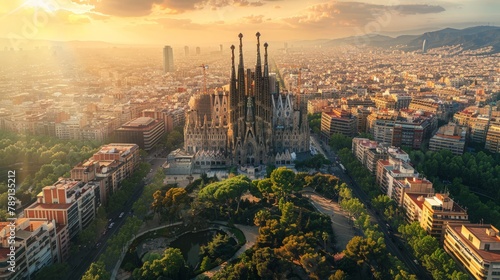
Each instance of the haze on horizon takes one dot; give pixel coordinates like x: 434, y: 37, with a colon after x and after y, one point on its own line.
x: 182, y: 22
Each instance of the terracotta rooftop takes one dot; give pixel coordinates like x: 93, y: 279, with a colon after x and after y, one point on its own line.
x: 480, y: 232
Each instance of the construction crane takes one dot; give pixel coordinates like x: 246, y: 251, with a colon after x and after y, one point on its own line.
x: 204, y: 67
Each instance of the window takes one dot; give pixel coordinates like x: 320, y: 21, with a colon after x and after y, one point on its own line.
x: 471, y: 238
x: 487, y: 248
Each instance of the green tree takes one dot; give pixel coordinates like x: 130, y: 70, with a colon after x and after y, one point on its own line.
x: 265, y: 187
x: 226, y: 192
x: 53, y: 271
x: 206, y: 264
x: 282, y: 179
x: 365, y: 250
x: 296, y: 245
x: 315, y: 265
x: 338, y: 275
x: 157, y: 204
x: 353, y: 206
x: 174, y: 201
x: 439, y: 264
x: 339, y: 141
x: 172, y: 265
x: 267, y: 265
x: 425, y: 246
x: 287, y: 214
x: 96, y: 271
x: 261, y: 217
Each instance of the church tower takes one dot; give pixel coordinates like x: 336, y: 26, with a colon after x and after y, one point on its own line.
x: 249, y: 125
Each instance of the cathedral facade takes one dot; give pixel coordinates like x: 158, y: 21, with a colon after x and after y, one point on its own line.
x: 252, y: 124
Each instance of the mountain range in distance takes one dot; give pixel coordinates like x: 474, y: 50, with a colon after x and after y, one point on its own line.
x: 471, y: 38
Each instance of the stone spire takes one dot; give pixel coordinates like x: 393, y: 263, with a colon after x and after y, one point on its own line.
x: 266, y: 67
x: 240, y: 65
x: 233, y: 92
x: 258, y: 49
x: 241, y: 82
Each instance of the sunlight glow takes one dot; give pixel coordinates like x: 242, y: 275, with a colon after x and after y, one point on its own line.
x: 48, y: 6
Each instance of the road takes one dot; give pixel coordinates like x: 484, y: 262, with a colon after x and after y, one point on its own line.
x: 392, y: 246
x: 81, y: 262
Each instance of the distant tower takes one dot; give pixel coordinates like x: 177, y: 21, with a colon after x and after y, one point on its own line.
x: 423, y: 46
x: 220, y: 47
x: 168, y: 59
x: 198, y: 50
x: 186, y: 50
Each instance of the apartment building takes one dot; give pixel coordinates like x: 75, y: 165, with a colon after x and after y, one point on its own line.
x: 317, y: 105
x: 69, y: 203
x: 412, y: 205
x: 108, y: 167
x: 413, y: 185
x: 449, y: 137
x: 144, y: 131
x: 438, y: 108
x: 493, y: 138
x: 171, y: 117
x: 361, y: 115
x: 369, y: 152
x: 439, y: 211
x: 390, y: 170
x: 338, y: 121
x: 476, y: 247
x: 36, y: 246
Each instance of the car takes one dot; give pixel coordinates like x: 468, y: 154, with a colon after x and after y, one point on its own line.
x: 111, y: 225
x: 121, y: 215
x: 98, y: 244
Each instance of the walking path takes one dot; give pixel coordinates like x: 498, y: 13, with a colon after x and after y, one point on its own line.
x: 341, y: 223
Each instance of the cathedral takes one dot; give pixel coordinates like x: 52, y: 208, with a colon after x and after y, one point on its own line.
x: 250, y: 124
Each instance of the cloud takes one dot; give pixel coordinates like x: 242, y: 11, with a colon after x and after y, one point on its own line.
x: 129, y: 8
x: 126, y: 8
x: 254, y: 19
x: 244, y: 3
x: 353, y: 14
x: 419, y: 9
x: 179, y: 23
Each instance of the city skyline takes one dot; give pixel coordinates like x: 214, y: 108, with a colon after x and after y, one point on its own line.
x: 196, y: 21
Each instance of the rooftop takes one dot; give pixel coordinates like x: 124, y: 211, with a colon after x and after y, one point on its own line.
x: 139, y: 122
x: 117, y: 148
x: 480, y: 232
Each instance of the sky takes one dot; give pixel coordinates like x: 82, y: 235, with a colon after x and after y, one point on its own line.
x: 201, y: 22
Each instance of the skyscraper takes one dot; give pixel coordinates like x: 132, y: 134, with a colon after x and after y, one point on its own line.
x: 423, y: 46
x: 168, y: 59
x: 198, y: 50
x: 186, y: 50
